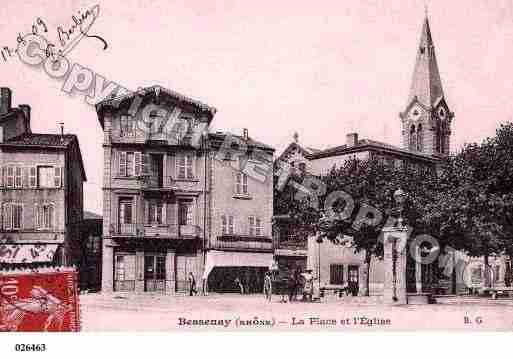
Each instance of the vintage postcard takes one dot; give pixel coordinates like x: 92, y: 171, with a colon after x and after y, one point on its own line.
x: 178, y: 166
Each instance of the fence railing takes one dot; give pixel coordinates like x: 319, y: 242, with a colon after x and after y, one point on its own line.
x: 155, y: 182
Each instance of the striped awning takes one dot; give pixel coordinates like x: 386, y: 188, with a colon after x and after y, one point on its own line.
x: 27, y: 253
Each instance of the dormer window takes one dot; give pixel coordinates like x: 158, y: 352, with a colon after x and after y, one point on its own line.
x: 126, y: 126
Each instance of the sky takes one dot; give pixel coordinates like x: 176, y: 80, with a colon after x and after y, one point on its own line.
x: 322, y: 68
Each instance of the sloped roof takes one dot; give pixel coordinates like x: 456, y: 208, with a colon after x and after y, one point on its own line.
x: 365, y: 144
x: 216, y: 139
x: 46, y: 140
x: 158, y: 89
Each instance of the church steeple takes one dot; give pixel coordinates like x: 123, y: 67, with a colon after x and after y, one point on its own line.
x: 426, y: 119
x: 426, y: 84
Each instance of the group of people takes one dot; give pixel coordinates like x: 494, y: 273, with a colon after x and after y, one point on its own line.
x: 297, y: 282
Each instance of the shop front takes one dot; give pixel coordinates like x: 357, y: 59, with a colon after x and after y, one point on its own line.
x: 228, y: 271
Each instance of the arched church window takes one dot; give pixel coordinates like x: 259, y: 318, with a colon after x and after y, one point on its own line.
x: 413, y: 139
x: 420, y: 138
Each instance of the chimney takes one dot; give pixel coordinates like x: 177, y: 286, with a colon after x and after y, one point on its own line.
x: 26, y: 111
x: 245, y: 134
x: 5, y: 100
x: 352, y: 139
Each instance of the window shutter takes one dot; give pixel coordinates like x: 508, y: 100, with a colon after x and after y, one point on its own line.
x: 251, y: 226
x: 7, y: 216
x: 58, y: 177
x: 238, y: 183
x: 36, y: 216
x: 122, y: 164
x: 4, y: 176
x: 145, y: 167
x: 223, y: 225
x: 244, y: 183
x: 181, y: 166
x: 17, y: 177
x: 25, y: 177
x: 32, y: 177
x: 190, y: 173
x: 138, y: 163
x: 230, y: 225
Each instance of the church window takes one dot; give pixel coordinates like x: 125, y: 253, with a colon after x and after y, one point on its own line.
x: 413, y: 139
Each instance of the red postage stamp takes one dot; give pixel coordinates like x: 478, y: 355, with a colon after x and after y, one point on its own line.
x: 39, y: 301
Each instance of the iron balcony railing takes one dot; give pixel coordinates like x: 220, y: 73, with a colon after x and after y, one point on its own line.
x: 154, y: 230
x: 157, y: 182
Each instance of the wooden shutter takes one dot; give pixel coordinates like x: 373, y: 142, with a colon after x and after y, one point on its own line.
x: 26, y: 177
x: 57, y: 181
x: 145, y: 166
x: 244, y: 183
x: 189, y: 160
x: 224, y: 225
x: 33, y: 177
x: 238, y: 183
x: 138, y: 163
x: 2, y: 182
x: 181, y: 166
x: 7, y: 216
x: 122, y: 164
x: 231, y: 227
x: 251, y: 226
x: 18, y: 177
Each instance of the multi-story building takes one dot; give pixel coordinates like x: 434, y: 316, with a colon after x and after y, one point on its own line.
x: 425, y: 132
x: 41, y: 192
x: 176, y: 199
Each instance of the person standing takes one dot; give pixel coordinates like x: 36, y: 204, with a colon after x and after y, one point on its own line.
x: 192, y: 284
x: 268, y: 286
x: 238, y: 283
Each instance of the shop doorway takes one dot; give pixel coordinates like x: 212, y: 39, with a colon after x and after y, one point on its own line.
x: 353, y: 279
x: 154, y: 273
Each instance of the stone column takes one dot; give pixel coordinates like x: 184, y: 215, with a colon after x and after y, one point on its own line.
x: 108, y: 269
x: 394, y: 286
x: 139, y: 271
x: 418, y: 269
x: 170, y: 272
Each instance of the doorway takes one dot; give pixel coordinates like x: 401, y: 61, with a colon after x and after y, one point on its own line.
x: 154, y: 273
x: 353, y: 279
x: 157, y: 168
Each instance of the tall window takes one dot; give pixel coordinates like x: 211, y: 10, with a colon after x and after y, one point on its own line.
x: 13, y: 216
x: 155, y: 212
x: 255, y: 226
x: 45, y: 216
x: 241, y: 183
x: 45, y: 176
x: 185, y: 167
x: 185, y: 216
x: 126, y: 211
x: 336, y: 274
x: 413, y: 138
x: 227, y: 224
x: 420, y: 138
x: 127, y: 126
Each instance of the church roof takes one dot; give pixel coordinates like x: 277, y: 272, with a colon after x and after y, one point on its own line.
x: 426, y: 85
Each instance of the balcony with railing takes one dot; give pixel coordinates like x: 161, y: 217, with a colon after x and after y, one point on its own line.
x: 157, y: 183
x: 154, y: 230
x: 243, y: 242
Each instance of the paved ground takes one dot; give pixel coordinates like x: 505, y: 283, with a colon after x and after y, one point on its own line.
x: 235, y: 312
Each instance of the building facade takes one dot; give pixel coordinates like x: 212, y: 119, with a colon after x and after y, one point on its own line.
x: 41, y: 192
x: 178, y: 200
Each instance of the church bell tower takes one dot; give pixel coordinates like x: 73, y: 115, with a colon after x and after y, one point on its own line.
x: 426, y: 120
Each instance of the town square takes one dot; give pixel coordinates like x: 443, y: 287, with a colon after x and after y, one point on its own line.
x: 290, y: 167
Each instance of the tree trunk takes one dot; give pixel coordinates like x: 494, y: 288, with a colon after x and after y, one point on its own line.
x: 487, y: 281
x: 364, y: 290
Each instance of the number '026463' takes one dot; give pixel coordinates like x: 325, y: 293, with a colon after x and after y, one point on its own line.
x: 30, y: 347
